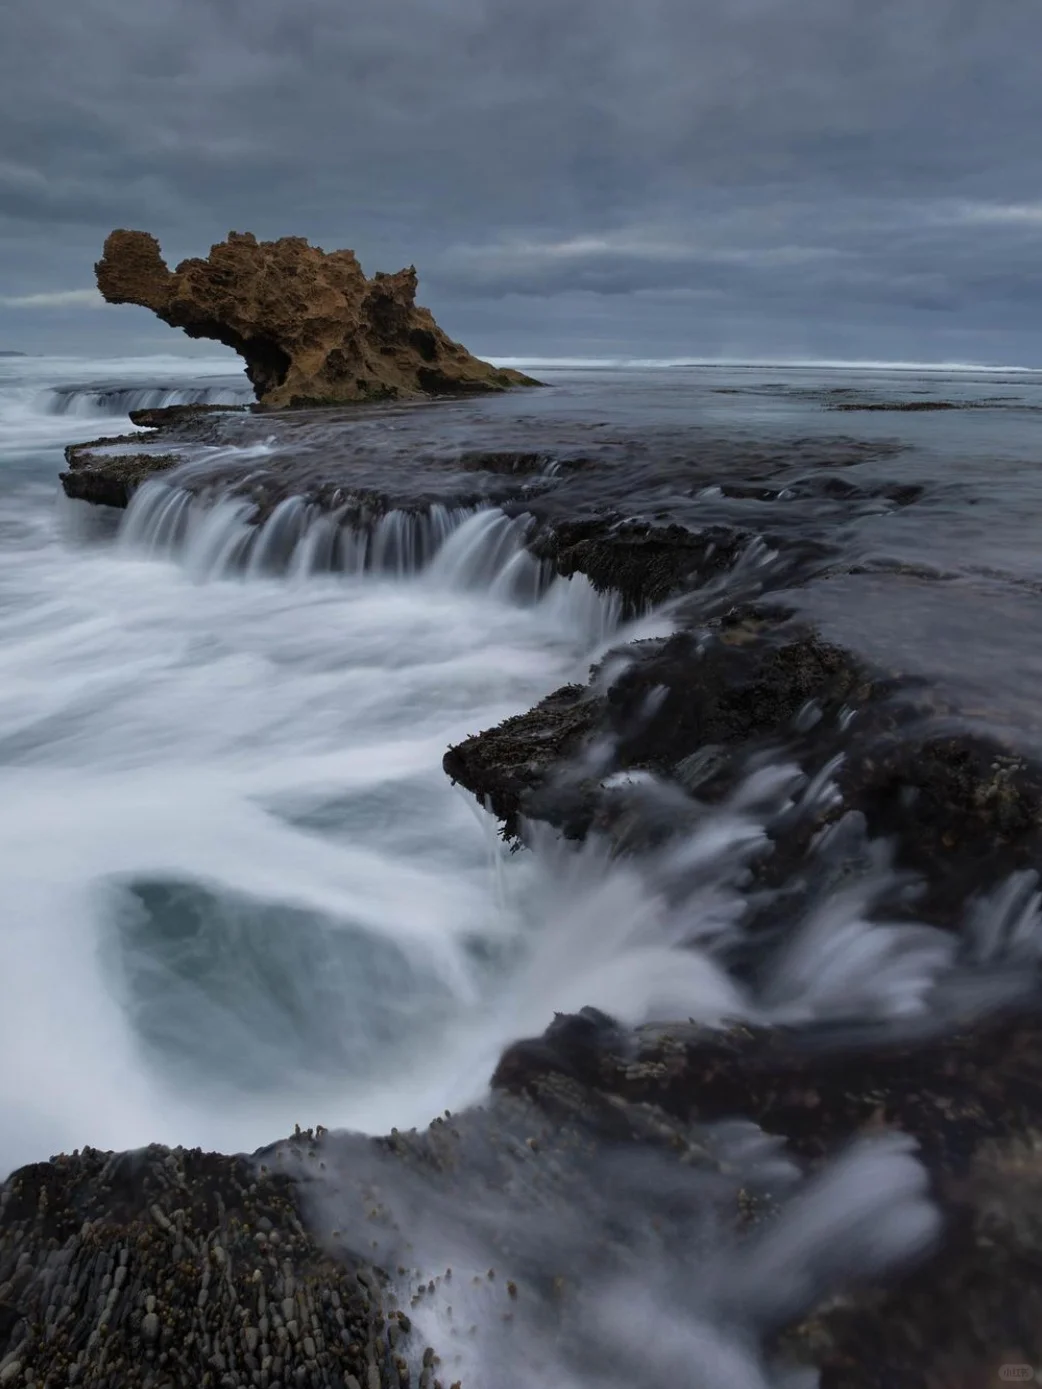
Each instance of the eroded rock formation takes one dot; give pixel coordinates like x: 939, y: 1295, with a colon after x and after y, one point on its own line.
x: 311, y: 327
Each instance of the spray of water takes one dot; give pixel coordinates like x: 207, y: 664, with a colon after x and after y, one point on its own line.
x: 598, y: 1268
x: 107, y: 401
x: 239, y: 886
x: 239, y: 892
x: 227, y: 942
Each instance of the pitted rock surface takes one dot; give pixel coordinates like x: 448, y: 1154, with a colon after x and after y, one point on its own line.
x: 312, y: 328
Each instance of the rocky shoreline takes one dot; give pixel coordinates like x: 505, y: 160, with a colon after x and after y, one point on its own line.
x: 303, y: 1265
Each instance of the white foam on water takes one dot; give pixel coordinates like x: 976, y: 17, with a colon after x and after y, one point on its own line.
x: 463, y: 549
x: 101, y: 401
x: 238, y: 887
x: 239, y: 891
x: 47, y: 401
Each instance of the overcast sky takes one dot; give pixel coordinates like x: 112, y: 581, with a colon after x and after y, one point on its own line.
x: 757, y: 178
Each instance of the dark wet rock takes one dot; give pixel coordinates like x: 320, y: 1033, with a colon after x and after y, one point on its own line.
x: 505, y: 766
x: 176, y: 1268
x: 972, y: 1311
x: 185, y: 1268
x: 162, y: 416
x: 973, y: 1102
x: 311, y: 328
x: 963, y: 810
x: 744, y: 678
x: 190, y: 1269
x: 645, y: 564
x: 817, y: 1087
x: 961, y: 806
x: 111, y: 478
x: 734, y: 687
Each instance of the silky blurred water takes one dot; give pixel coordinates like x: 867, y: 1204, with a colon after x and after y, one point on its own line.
x: 238, y: 890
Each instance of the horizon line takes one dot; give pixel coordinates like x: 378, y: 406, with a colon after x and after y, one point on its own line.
x: 806, y: 363
x: 577, y: 363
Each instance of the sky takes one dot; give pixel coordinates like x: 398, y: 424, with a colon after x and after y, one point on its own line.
x: 761, y: 179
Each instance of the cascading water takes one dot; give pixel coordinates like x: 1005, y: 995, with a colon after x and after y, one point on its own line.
x: 101, y: 401
x: 240, y: 893
x: 243, y: 890
x: 468, y: 549
x: 667, y: 1293
x: 239, y: 876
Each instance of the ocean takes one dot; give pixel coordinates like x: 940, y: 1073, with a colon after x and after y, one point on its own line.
x: 239, y: 891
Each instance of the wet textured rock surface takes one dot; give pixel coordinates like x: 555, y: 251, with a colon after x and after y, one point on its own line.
x: 954, y: 1091
x: 183, y: 1268
x: 971, y: 1100
x: 108, y: 479
x: 697, y: 709
x: 311, y: 328
x: 168, y: 1267
x: 799, y: 638
x: 638, y: 507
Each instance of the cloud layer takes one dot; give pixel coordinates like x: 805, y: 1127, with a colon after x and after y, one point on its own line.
x: 766, y: 176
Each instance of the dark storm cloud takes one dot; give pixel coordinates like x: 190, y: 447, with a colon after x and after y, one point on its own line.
x: 801, y: 162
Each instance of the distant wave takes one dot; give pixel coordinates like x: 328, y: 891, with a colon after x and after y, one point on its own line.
x: 732, y: 363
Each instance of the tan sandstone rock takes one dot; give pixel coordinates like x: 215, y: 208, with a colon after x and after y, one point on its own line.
x: 312, y: 328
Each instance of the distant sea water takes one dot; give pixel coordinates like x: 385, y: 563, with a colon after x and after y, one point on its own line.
x: 238, y: 890
x: 827, y: 366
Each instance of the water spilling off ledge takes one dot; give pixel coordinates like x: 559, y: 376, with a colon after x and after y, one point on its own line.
x: 102, y: 401
x: 350, y: 646
x: 476, y: 549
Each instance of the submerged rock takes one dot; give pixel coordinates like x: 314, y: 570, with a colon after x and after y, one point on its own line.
x: 311, y: 327
x: 595, y: 493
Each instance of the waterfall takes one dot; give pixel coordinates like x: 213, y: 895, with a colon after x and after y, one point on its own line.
x: 94, y: 402
x: 455, y: 548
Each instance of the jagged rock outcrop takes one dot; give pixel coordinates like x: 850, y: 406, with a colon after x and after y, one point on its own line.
x: 311, y: 327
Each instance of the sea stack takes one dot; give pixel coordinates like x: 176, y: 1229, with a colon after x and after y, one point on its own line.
x: 313, y: 330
